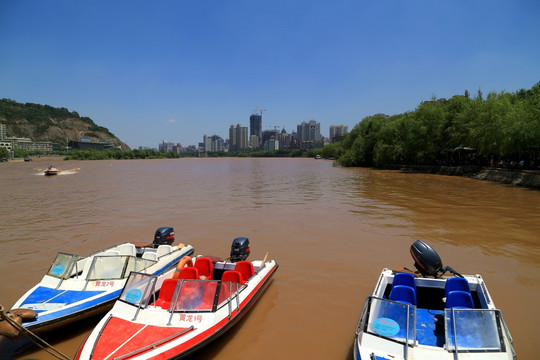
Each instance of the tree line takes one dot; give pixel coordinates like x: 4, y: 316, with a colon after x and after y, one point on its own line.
x: 501, y: 126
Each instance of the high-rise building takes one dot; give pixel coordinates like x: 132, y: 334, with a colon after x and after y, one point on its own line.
x: 255, y: 127
x: 338, y: 132
x: 216, y: 143
x: 309, y: 131
x: 207, y: 143
x: 238, y: 137
x: 3, y: 131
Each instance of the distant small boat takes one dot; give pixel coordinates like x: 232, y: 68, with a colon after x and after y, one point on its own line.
x: 51, y: 170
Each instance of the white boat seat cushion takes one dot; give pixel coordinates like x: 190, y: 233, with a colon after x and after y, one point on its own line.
x: 128, y: 249
x: 150, y: 255
x: 163, y: 250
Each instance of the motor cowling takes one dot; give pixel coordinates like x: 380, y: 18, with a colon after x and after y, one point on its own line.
x: 239, y: 249
x: 426, y: 260
x: 163, y: 236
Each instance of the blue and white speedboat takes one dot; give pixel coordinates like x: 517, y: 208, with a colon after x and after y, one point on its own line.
x: 431, y: 317
x: 76, y: 287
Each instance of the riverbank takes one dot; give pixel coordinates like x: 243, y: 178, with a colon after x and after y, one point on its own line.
x: 525, y: 178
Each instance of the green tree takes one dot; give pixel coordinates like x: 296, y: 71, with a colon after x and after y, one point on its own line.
x: 4, y: 154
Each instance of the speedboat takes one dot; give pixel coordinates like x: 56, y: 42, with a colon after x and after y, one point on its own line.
x: 51, y: 170
x: 199, y: 303
x: 429, y: 314
x: 76, y: 287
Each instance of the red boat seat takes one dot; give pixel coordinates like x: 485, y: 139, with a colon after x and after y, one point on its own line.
x: 232, y: 276
x: 205, y: 267
x: 166, y: 293
x: 188, y: 273
x: 246, y: 270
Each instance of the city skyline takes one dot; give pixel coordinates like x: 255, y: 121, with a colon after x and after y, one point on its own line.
x: 258, y: 126
x: 308, y: 134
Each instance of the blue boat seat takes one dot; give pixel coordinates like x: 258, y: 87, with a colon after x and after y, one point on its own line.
x: 406, y: 279
x: 403, y: 294
x: 459, y: 299
x: 456, y: 283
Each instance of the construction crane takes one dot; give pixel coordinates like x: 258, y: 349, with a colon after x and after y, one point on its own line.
x: 257, y: 110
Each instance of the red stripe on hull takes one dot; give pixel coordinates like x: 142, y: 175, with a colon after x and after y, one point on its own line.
x: 118, y: 331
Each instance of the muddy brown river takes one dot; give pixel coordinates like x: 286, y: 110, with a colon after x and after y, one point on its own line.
x: 331, y: 230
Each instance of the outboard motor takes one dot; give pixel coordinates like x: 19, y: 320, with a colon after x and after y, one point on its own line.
x: 163, y: 236
x: 428, y: 262
x: 239, y: 249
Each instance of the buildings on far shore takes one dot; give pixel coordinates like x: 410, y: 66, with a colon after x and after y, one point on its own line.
x: 241, y: 138
x: 11, y: 143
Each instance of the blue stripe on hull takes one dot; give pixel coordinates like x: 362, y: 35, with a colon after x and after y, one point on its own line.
x: 44, y: 294
x: 68, y: 312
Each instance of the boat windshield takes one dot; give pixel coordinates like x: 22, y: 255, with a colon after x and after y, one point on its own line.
x: 115, y: 267
x: 392, y: 320
x: 200, y: 295
x: 465, y: 330
x: 63, y: 265
x: 139, y: 289
x: 473, y: 330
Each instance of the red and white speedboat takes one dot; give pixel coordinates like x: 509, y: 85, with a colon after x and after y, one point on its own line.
x: 51, y: 170
x: 198, y: 304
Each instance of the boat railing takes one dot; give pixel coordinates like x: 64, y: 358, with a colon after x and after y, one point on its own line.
x: 233, y: 293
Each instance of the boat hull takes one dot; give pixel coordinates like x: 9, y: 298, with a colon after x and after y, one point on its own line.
x: 220, y: 329
x: 429, y: 326
x: 180, y: 333
x: 60, y: 302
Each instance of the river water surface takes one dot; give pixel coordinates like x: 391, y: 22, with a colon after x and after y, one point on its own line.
x: 331, y: 230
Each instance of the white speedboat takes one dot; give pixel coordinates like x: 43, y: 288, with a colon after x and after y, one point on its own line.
x: 185, y: 315
x: 431, y: 317
x: 76, y: 287
x: 51, y: 170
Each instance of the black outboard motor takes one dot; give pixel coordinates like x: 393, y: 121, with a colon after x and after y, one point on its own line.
x: 428, y: 262
x: 163, y: 236
x: 239, y: 249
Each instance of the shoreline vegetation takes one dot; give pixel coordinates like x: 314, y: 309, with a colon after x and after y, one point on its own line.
x: 499, y: 136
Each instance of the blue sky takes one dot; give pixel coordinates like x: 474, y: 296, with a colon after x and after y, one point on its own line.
x: 176, y: 70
